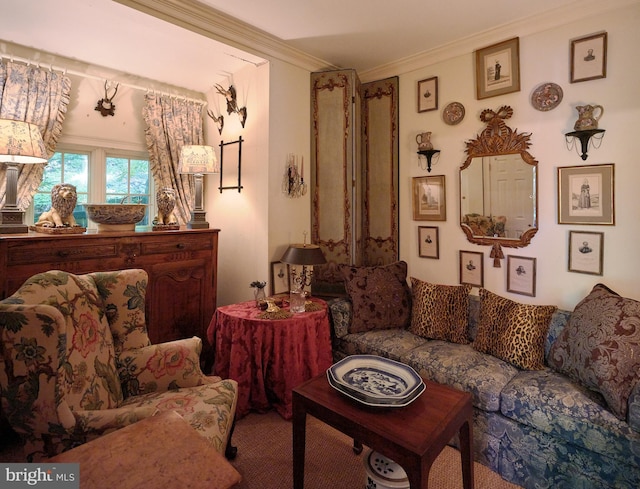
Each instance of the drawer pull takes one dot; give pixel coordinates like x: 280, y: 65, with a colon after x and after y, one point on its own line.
x: 180, y: 246
x: 63, y: 253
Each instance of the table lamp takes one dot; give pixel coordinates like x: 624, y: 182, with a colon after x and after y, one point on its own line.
x: 197, y: 160
x: 20, y: 143
x: 305, y: 255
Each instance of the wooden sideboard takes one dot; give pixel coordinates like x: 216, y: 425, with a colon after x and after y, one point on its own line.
x: 182, y: 268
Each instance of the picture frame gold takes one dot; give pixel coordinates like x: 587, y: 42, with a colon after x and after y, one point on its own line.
x: 586, y: 252
x: 428, y: 242
x: 521, y: 275
x: 280, y: 278
x: 588, y: 58
x: 498, y: 69
x: 429, y: 198
x: 472, y: 268
x: 586, y: 194
x: 428, y: 94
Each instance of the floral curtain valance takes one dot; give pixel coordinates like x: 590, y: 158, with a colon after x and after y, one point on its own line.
x: 170, y: 124
x: 39, y: 96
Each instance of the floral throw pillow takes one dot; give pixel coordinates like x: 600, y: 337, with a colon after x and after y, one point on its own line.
x: 380, y: 296
x: 440, y: 312
x: 512, y: 331
x: 600, y: 346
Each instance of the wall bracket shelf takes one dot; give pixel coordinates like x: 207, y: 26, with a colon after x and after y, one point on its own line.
x: 585, y: 137
x: 429, y: 154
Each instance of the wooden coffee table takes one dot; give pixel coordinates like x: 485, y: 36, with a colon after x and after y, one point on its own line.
x: 413, y: 436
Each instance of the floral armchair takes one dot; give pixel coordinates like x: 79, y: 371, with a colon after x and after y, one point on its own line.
x: 78, y: 364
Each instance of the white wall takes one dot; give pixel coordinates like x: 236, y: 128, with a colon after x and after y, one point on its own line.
x: 544, y: 57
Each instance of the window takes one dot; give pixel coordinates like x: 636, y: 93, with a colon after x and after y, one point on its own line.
x: 99, y: 175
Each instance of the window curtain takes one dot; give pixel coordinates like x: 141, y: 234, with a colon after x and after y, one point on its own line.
x: 172, y: 123
x: 39, y: 96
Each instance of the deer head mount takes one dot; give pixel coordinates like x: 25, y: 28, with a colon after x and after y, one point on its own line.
x: 105, y: 105
x: 232, y: 104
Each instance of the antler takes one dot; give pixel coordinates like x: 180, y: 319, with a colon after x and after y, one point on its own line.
x: 218, y: 120
x: 106, y: 95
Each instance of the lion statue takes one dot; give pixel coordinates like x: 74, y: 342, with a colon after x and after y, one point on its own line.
x: 63, y: 201
x: 166, y: 201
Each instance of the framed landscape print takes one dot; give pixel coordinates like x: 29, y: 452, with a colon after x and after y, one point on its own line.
x: 586, y: 250
x: 498, y: 69
x: 586, y: 194
x: 428, y: 242
x: 472, y: 268
x: 279, y: 278
x: 429, y: 198
x: 521, y: 275
x: 428, y: 94
x: 589, y: 58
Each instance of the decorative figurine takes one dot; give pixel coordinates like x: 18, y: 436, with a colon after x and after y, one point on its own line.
x: 166, y: 202
x: 63, y: 201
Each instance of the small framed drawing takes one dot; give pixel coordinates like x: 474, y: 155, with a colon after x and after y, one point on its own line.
x: 279, y: 278
x: 428, y: 94
x: 521, y: 275
x: 586, y: 252
x: 429, y: 198
x: 472, y: 268
x: 585, y: 194
x: 498, y: 69
x: 428, y: 242
x: 589, y: 58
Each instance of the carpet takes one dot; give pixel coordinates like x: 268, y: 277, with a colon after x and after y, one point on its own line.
x: 264, y: 458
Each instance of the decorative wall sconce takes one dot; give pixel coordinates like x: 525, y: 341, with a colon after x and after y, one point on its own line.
x: 425, y: 148
x: 197, y: 160
x: 293, y: 184
x: 586, y: 129
x: 222, y: 145
x: 232, y: 103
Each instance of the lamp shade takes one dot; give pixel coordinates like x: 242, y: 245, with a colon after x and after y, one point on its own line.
x: 303, y: 254
x: 21, y: 142
x: 198, y: 159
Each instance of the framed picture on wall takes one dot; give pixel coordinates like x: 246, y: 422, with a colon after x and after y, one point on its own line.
x: 429, y: 198
x: 428, y: 242
x: 428, y: 94
x: 498, y: 69
x: 586, y: 194
x: 521, y: 275
x: 589, y: 58
x: 279, y: 278
x: 472, y: 268
x: 586, y: 252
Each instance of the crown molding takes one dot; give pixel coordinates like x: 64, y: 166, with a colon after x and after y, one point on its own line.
x: 221, y: 27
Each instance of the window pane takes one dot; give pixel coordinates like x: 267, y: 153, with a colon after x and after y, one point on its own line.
x: 117, y: 176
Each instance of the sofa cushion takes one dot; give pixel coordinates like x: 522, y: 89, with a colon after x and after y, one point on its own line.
x: 440, y: 312
x: 600, y: 345
x: 512, y: 331
x: 390, y: 343
x: 380, y: 296
x: 567, y: 410
x: 462, y: 367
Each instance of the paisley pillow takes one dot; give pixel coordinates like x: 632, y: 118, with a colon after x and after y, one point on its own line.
x: 440, y: 312
x: 512, y: 331
x: 600, y: 346
x: 380, y: 296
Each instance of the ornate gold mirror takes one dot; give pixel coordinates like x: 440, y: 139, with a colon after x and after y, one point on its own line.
x: 498, y: 186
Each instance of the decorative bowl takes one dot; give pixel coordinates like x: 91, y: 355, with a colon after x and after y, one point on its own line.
x: 115, y: 217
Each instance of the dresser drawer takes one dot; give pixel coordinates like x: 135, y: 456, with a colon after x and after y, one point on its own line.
x: 27, y: 253
x: 181, y: 243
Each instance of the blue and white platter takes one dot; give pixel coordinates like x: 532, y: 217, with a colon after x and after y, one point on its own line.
x: 375, y: 380
x: 381, y: 402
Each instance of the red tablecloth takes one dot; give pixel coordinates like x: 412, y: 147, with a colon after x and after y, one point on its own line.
x: 269, y: 357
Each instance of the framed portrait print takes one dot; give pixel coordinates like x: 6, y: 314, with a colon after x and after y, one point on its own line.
x: 428, y: 242
x: 428, y: 94
x: 589, y: 58
x: 521, y: 275
x: 429, y: 198
x: 586, y: 194
x: 472, y: 268
x: 279, y: 278
x: 498, y: 69
x: 586, y: 252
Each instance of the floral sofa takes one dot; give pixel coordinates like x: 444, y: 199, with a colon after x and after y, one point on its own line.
x: 556, y: 393
x: 78, y: 363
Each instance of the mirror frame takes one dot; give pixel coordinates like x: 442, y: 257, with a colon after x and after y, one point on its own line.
x: 499, y: 139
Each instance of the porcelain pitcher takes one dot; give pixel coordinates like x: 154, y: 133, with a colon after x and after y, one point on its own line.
x: 588, y: 117
x: 424, y: 141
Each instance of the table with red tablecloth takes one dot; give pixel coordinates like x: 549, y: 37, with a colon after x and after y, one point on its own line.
x: 269, y: 357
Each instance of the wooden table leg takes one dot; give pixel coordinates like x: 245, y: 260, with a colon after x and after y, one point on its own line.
x: 466, y: 453
x: 299, y: 421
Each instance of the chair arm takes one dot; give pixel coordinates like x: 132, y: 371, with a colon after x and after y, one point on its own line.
x: 161, y: 367
x: 106, y: 420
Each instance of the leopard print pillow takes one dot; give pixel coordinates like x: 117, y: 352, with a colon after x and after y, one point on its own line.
x: 440, y: 312
x: 512, y: 331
